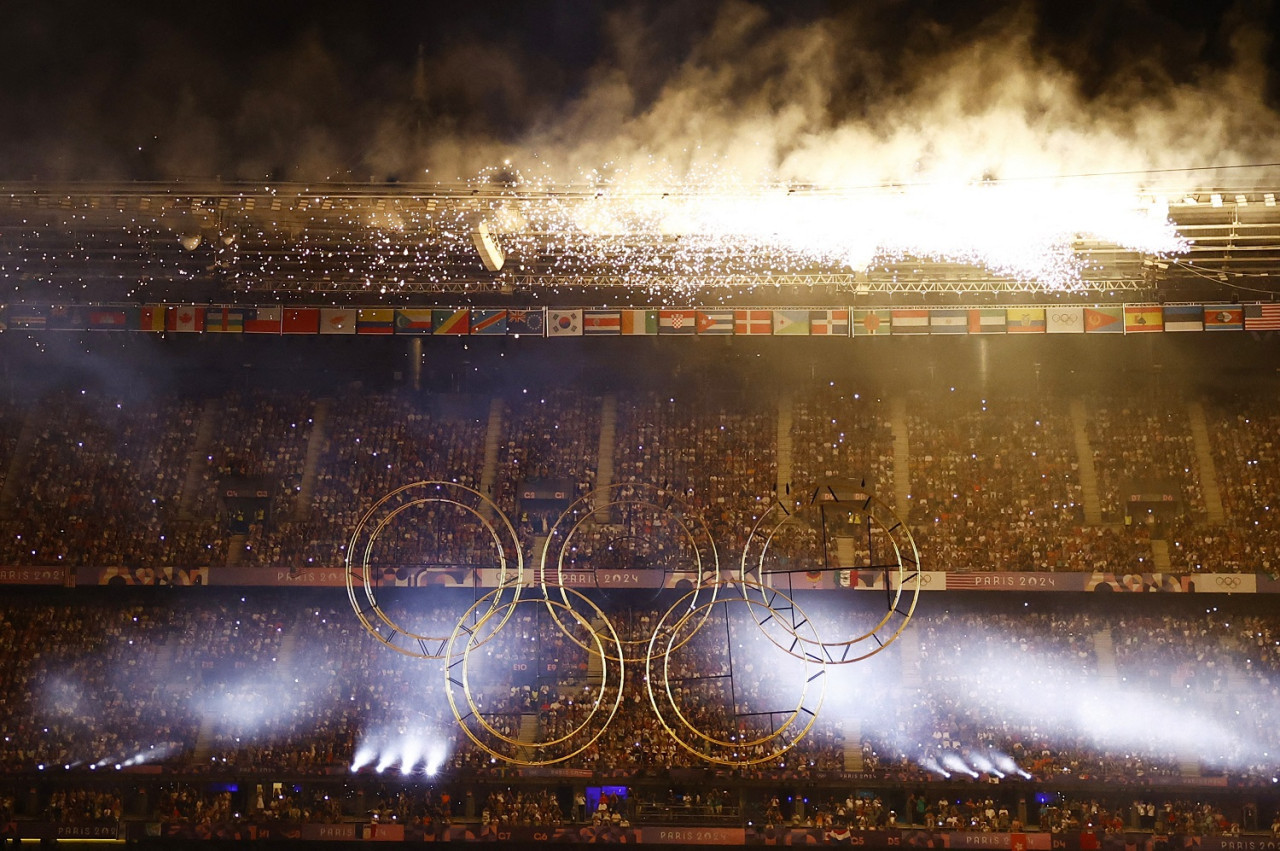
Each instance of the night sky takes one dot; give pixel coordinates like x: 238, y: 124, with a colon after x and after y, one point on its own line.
x: 437, y: 92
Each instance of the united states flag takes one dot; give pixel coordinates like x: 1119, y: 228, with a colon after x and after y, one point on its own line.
x: 1262, y: 317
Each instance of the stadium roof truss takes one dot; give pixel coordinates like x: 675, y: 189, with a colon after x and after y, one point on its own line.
x: 380, y: 240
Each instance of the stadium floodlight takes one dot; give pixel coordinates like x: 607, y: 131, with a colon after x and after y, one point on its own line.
x: 932, y: 765
x: 984, y: 765
x: 491, y: 253
x: 954, y: 763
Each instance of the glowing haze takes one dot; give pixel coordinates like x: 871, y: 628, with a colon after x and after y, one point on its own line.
x: 774, y: 137
x: 961, y: 691
x: 987, y: 155
x: 693, y: 229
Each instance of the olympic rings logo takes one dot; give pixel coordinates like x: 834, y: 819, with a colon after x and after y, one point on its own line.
x: 1227, y: 581
x: 683, y: 663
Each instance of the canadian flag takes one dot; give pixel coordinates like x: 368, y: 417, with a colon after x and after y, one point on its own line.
x: 185, y: 318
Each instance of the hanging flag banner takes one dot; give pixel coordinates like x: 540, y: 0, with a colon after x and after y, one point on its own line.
x: 1104, y: 320
x: 910, y: 321
x: 564, y: 323
x: 1261, y: 317
x: 1024, y: 320
x: 948, y: 321
x: 185, y: 318
x: 715, y: 322
x: 601, y: 323
x: 65, y: 317
x: 262, y: 320
x: 112, y: 318
x: 488, y: 321
x: 224, y: 320
x: 638, y: 323
x: 413, y: 321
x: 151, y: 317
x: 793, y: 323
x: 872, y: 323
x: 375, y: 320
x: 29, y: 317
x: 1064, y: 320
x: 1223, y: 317
x: 1183, y: 317
x: 337, y: 320
x: 532, y: 322
x: 677, y: 321
x: 753, y: 323
x: 450, y: 321
x: 300, y: 320
x: 1143, y: 318
x: 984, y: 320
x: 829, y: 323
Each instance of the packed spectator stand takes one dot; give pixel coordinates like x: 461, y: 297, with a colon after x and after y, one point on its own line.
x: 987, y: 483
x: 973, y: 491
x: 113, y: 690
x: 211, y: 705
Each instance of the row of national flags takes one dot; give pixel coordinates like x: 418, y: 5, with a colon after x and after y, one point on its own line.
x: 180, y: 318
x: 604, y: 322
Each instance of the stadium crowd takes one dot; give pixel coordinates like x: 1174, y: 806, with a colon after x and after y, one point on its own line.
x: 987, y: 482
x: 263, y: 682
x: 187, y: 803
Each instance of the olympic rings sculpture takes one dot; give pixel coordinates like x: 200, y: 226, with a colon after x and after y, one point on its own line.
x: 887, y: 545
x: 688, y: 655
x: 375, y: 521
x: 629, y: 499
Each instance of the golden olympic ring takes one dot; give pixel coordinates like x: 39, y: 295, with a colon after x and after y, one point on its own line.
x: 705, y: 571
x: 901, y: 573
x: 458, y: 675
x: 736, y: 750
x: 361, y: 545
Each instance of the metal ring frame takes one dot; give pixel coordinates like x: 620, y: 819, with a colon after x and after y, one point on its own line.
x: 901, y: 573
x: 490, y: 739
x: 588, y: 507
x: 362, y: 540
x: 737, y: 750
x: 574, y: 614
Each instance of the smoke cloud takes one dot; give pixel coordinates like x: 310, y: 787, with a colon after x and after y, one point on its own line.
x: 871, y: 95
